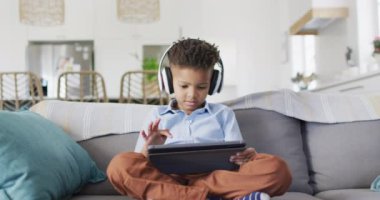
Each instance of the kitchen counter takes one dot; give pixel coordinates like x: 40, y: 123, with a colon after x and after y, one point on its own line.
x: 363, y: 83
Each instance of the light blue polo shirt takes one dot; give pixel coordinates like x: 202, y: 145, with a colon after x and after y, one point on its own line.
x: 211, y: 123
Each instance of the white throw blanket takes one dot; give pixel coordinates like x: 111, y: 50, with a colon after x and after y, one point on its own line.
x: 88, y: 120
x: 313, y: 107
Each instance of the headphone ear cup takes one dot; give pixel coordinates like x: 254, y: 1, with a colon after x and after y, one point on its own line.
x: 214, y: 80
x: 169, y: 81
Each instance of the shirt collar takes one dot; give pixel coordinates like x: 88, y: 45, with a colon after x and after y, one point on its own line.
x: 171, y: 107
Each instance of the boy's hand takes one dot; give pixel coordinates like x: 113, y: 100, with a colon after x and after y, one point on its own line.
x: 154, y: 136
x: 244, y: 156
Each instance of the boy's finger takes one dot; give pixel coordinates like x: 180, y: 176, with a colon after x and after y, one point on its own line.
x: 150, y: 126
x: 239, y: 162
x: 165, y: 133
x: 248, y: 152
x: 252, y: 153
x: 251, y: 150
x: 144, y: 135
x: 156, y: 123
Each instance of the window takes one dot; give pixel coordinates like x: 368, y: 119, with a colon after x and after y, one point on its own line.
x: 378, y: 16
x: 303, y: 61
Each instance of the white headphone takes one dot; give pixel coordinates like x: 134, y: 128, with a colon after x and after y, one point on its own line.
x: 165, y: 78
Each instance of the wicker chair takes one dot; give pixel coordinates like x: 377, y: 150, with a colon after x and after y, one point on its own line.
x: 19, y: 90
x: 141, y: 87
x: 83, y: 86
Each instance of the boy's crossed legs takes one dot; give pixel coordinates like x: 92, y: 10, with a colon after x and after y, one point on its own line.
x: 132, y: 174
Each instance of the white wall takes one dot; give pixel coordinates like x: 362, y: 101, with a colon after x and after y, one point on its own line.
x: 250, y: 35
x: 357, y: 32
x: 284, y: 70
x: 12, y: 38
x: 329, y: 3
x: 331, y: 48
x: 297, y: 9
x: 367, y: 30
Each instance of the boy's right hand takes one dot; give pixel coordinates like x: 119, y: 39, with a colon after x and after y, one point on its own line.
x: 154, y: 136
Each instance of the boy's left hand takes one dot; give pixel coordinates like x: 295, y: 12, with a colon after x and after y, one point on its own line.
x: 244, y: 156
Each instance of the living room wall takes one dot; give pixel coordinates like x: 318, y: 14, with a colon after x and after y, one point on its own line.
x: 356, y: 32
x: 248, y: 33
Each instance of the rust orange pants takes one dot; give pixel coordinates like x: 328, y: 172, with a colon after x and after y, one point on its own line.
x: 133, y: 175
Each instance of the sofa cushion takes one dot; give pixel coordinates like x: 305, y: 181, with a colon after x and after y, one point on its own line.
x: 274, y: 133
x: 349, y: 194
x: 343, y: 155
x: 39, y: 161
x: 102, y: 150
x: 295, y: 196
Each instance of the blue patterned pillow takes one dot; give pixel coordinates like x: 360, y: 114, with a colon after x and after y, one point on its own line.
x: 38, y: 160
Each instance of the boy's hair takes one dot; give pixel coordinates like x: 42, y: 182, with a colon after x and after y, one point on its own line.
x: 194, y: 53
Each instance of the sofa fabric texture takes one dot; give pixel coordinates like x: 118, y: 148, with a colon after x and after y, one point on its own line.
x: 327, y: 160
x: 102, y: 150
x: 349, y: 194
x: 343, y: 155
x: 264, y: 137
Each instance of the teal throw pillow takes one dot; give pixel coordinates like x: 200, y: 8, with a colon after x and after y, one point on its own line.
x: 38, y: 160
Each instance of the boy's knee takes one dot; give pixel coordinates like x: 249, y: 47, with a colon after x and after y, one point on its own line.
x: 120, y: 163
x: 117, y: 170
x: 282, y: 176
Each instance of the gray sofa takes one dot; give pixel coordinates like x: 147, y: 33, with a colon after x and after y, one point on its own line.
x: 328, y: 161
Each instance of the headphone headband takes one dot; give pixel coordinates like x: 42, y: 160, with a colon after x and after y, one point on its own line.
x: 165, y: 81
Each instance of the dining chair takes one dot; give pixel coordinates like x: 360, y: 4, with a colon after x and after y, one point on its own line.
x: 83, y: 86
x: 19, y: 90
x: 141, y: 86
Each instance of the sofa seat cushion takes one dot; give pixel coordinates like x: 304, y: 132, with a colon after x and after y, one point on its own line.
x: 342, y: 155
x: 349, y: 194
x: 277, y: 134
x: 295, y: 196
x: 102, y: 150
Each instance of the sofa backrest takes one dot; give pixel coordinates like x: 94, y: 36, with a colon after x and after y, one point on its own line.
x: 342, y: 155
x: 337, y: 156
x: 102, y: 150
x: 277, y: 134
x: 267, y: 131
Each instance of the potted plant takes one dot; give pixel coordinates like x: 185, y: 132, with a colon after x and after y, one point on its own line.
x: 376, y: 53
x: 303, y: 81
x: 376, y: 45
x: 150, y: 64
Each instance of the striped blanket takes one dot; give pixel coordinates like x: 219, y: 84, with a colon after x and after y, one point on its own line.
x: 87, y: 120
x: 313, y: 107
x: 84, y: 120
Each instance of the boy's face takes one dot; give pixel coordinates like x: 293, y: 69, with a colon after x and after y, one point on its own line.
x: 190, y: 87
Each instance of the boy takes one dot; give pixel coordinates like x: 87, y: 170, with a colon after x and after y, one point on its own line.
x: 190, y: 119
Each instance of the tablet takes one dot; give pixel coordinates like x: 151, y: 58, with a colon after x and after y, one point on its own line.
x: 194, y: 158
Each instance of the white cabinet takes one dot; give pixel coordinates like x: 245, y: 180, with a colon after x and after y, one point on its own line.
x: 314, y: 15
x: 316, y: 19
x: 364, y: 84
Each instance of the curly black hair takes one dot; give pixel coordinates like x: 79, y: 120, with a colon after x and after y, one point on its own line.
x: 193, y: 53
